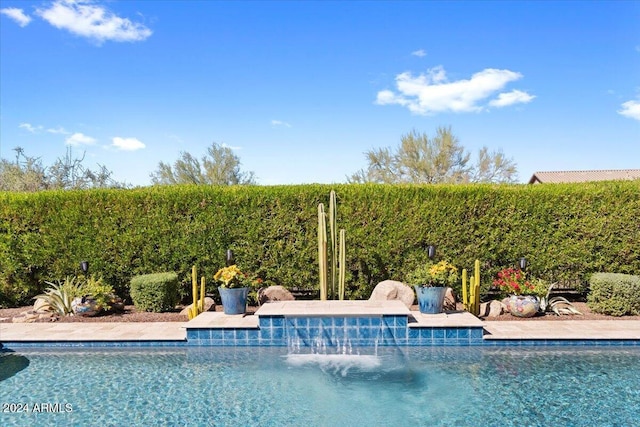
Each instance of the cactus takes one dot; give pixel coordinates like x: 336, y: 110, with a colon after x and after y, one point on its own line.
x: 343, y: 264
x: 471, y: 297
x: 198, y: 302
x: 337, y: 251
x: 334, y: 241
x: 322, y: 251
x: 465, y: 296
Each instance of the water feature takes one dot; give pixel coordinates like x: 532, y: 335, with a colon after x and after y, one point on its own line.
x: 202, y: 386
x: 331, y: 347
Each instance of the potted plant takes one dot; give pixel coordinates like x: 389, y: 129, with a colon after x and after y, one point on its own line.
x: 430, y: 282
x: 522, y: 299
x: 234, y: 288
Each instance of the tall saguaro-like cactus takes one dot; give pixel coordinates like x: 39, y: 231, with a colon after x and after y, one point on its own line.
x: 337, y: 251
x: 322, y: 251
x: 471, y: 296
x: 198, y: 302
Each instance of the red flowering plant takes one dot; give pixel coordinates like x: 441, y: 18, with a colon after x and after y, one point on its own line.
x: 514, y: 281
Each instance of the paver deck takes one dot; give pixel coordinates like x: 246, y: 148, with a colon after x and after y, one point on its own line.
x: 564, y: 330
x: 112, y: 331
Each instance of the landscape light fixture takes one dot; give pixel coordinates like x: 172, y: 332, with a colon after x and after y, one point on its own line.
x: 230, y: 258
x: 431, y: 251
x: 523, y: 263
x: 84, y: 266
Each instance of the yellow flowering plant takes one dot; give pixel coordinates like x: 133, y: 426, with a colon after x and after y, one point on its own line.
x: 441, y: 274
x: 232, y: 277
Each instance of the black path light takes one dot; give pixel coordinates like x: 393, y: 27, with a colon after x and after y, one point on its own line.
x: 431, y: 251
x: 84, y: 266
x: 230, y: 259
x: 523, y: 263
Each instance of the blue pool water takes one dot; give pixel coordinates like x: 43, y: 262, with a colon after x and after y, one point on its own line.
x: 447, y: 386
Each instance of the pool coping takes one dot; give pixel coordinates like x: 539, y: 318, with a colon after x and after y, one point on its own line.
x: 164, y: 334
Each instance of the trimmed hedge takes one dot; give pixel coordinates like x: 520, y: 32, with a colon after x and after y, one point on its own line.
x: 614, y: 294
x: 565, y: 231
x: 155, y: 292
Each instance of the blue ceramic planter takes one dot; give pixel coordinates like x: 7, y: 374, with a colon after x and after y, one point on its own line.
x: 234, y: 300
x: 430, y: 300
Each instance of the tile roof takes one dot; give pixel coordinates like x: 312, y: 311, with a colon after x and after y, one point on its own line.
x: 584, y: 176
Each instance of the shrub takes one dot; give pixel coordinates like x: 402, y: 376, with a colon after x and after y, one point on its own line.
x: 101, y: 292
x: 155, y: 292
x: 614, y: 294
x: 60, y: 295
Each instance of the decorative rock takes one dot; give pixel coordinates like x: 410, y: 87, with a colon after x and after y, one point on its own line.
x: 274, y: 293
x: 47, y: 316
x: 116, y: 304
x: 492, y: 309
x: 449, y: 301
x: 392, y: 290
x: 209, y: 304
x: 30, y: 315
x: 41, y: 305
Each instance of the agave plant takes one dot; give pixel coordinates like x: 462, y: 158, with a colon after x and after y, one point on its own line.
x: 60, y: 295
x: 558, y: 305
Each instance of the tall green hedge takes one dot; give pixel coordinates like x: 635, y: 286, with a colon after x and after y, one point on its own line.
x: 565, y: 231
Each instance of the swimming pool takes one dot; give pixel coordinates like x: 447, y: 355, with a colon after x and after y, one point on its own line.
x: 579, y: 386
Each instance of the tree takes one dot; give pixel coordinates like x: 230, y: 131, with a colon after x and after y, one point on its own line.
x: 25, y: 174
x: 70, y: 173
x: 28, y: 174
x: 218, y: 167
x: 441, y: 159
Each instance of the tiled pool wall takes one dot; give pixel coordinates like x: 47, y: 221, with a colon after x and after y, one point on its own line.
x: 365, y: 331
x: 12, y: 345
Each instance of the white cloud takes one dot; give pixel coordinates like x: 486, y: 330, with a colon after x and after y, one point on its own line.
x: 17, y: 15
x: 59, y: 130
x: 80, y: 139
x: 127, y: 144
x: 279, y: 123
x: 84, y: 18
x: 431, y: 92
x: 29, y: 127
x: 509, y: 98
x: 419, y: 53
x: 631, y: 109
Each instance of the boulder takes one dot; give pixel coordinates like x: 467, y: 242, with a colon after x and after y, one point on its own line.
x: 47, y: 316
x: 390, y: 290
x: 209, y: 304
x: 491, y: 309
x: 26, y: 317
x: 449, y: 303
x: 274, y: 293
x: 19, y: 319
x: 41, y: 305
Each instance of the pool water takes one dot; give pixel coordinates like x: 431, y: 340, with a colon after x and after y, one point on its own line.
x: 447, y: 386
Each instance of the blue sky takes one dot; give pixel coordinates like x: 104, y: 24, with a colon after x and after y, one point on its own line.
x: 300, y: 90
